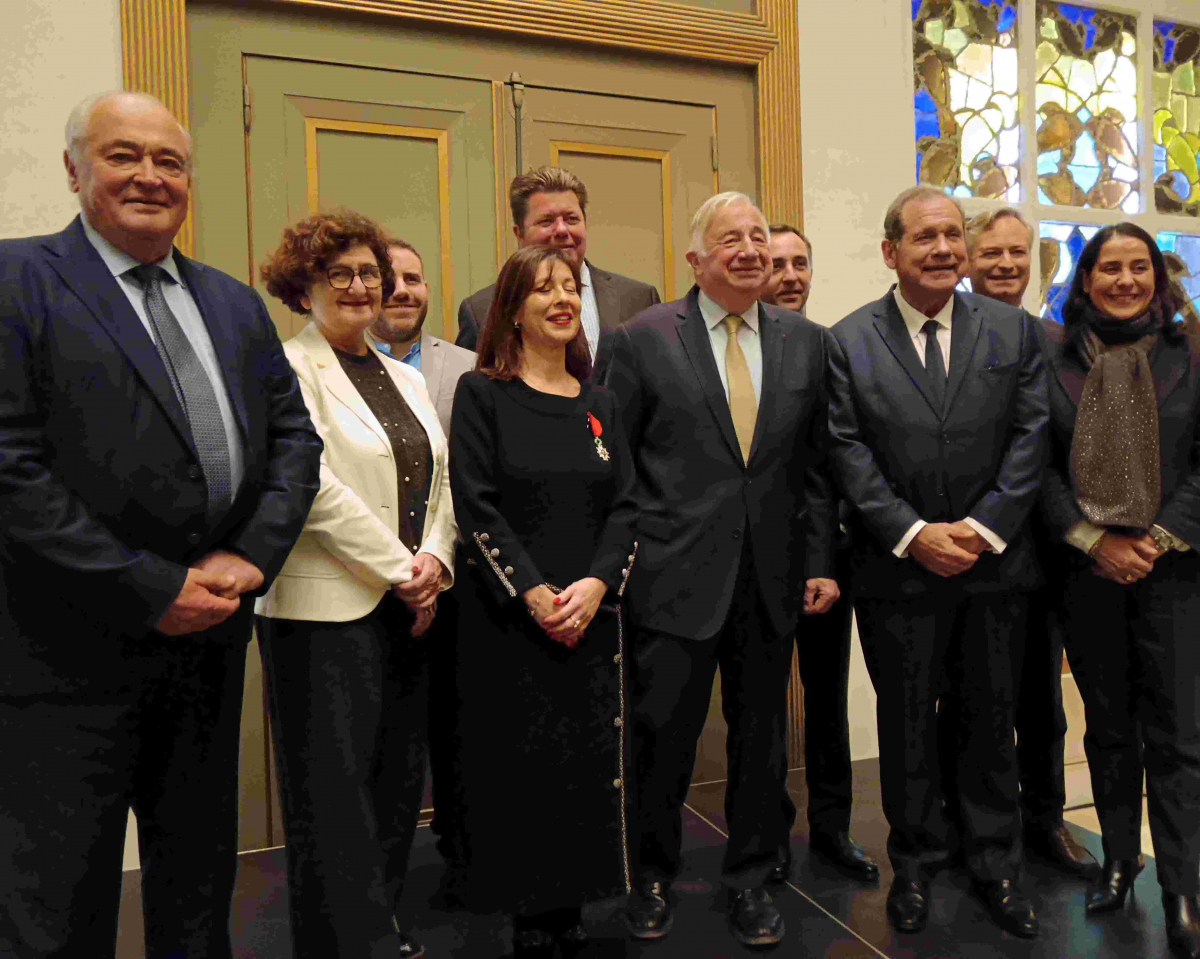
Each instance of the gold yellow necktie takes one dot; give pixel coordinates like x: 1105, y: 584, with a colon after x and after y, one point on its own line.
x: 743, y: 407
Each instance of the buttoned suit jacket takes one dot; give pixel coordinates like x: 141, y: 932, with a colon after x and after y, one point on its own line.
x: 442, y: 363
x: 102, y: 498
x: 618, y: 300
x: 697, y: 498
x: 898, y: 458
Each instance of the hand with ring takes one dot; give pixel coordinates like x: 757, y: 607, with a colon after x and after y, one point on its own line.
x: 1123, y: 559
x: 574, y: 608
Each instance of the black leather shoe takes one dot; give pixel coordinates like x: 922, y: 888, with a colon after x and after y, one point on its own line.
x: 908, y: 904
x: 1057, y: 846
x: 533, y: 944
x: 1009, y: 907
x: 410, y: 948
x: 844, y: 854
x: 1107, y: 894
x: 648, y: 914
x: 1183, y: 924
x: 753, y: 918
x: 573, y: 941
x: 780, y: 873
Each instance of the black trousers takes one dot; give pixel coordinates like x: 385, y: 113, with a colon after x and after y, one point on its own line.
x: 1135, y: 657
x: 348, y: 710
x: 672, y: 680
x: 444, y: 707
x: 1041, y: 721
x: 74, y: 765
x: 916, y: 651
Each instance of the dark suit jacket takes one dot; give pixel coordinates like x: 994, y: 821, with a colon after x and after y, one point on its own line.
x: 102, y: 501
x: 618, y: 299
x: 899, y: 459
x: 697, y: 499
x: 1176, y: 366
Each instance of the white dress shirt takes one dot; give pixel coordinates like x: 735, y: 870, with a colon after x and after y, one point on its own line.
x: 914, y: 320
x: 180, y: 300
x: 748, y: 339
x: 589, y: 312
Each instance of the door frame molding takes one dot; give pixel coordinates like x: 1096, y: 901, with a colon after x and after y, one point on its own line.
x: 154, y: 58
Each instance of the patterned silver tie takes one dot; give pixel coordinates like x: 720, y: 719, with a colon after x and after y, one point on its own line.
x: 195, y: 391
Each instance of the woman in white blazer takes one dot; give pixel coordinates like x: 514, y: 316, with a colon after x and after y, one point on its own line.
x: 341, y: 628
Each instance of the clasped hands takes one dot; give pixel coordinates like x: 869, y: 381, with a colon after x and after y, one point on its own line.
x: 421, y: 592
x: 565, y: 616
x: 1125, y: 559
x: 210, y: 594
x: 947, y: 549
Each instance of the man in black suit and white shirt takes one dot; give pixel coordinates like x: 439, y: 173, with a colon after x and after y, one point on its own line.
x: 937, y: 423
x: 549, y: 208
x: 724, y: 404
x: 157, y: 463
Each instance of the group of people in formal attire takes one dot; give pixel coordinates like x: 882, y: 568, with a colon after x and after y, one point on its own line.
x: 524, y: 558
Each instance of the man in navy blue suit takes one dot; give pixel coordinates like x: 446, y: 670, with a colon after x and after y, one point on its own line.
x: 937, y: 424
x: 156, y: 465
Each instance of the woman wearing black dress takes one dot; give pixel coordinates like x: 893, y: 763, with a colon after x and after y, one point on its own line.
x: 541, y: 482
x: 1122, y: 493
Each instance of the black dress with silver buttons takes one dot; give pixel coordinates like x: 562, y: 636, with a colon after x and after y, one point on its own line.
x: 542, y: 494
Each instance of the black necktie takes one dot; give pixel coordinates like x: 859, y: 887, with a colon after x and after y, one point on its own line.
x: 935, y: 363
x: 193, y: 388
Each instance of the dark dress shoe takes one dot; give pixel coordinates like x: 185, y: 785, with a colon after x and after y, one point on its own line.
x: 1183, y: 924
x: 1107, y: 894
x: 753, y: 918
x: 1057, y: 846
x: 410, y: 948
x: 908, y: 904
x: 1010, y: 909
x: 779, y: 873
x: 533, y: 944
x: 843, y: 853
x: 648, y: 914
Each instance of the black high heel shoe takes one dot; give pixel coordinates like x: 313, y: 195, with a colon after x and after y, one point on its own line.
x: 1183, y: 924
x: 1108, y: 893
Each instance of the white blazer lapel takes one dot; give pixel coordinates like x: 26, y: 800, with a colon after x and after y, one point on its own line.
x: 337, y: 383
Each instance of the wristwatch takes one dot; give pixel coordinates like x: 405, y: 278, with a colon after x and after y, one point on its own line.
x: 1167, y: 541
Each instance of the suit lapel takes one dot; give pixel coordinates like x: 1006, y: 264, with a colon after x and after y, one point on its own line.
x: 217, y: 314
x: 432, y: 366
x: 890, y: 325
x: 694, y: 334
x: 772, y: 338
x: 335, y: 380
x: 608, y: 303
x: 85, y: 273
x: 964, y: 334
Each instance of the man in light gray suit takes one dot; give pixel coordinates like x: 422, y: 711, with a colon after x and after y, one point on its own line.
x: 399, y: 332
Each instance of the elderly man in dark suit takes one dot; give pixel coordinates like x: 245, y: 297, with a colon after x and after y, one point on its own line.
x: 549, y: 208
x: 937, y: 422
x: 723, y: 399
x: 156, y: 464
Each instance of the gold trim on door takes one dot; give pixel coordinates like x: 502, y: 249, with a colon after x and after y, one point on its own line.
x: 313, y: 124
x: 155, y: 57
x: 664, y: 159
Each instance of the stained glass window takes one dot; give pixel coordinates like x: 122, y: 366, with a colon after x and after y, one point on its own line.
x: 965, y: 82
x: 1176, y: 118
x: 1086, y: 101
x: 1058, y: 249
x: 1182, y: 253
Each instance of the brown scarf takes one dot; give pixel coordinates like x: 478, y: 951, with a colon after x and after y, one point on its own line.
x: 1114, y: 453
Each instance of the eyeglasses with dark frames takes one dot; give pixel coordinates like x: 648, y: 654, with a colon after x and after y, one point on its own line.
x: 342, y: 277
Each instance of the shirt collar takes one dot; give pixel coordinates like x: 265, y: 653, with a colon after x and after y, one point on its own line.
x: 384, y: 347
x: 714, y: 313
x: 118, y: 261
x: 914, y: 319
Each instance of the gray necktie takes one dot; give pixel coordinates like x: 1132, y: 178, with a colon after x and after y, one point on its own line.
x: 935, y: 363
x: 193, y: 388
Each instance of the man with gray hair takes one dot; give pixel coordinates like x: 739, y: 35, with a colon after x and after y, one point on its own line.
x: 937, y: 420
x: 723, y: 401
x: 156, y: 465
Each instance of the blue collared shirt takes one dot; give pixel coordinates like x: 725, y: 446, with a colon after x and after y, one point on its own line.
x: 180, y: 300
x: 412, y: 357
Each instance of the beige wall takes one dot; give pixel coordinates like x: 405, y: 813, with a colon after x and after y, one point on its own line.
x: 52, y: 54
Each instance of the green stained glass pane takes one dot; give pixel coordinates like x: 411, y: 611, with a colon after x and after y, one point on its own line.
x: 1086, y: 97
x: 965, y: 77
x: 1176, y: 123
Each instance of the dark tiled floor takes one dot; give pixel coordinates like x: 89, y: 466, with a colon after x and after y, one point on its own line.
x: 826, y: 915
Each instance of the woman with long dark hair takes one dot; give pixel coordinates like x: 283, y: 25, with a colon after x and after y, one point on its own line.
x: 1123, y: 493
x: 541, y: 481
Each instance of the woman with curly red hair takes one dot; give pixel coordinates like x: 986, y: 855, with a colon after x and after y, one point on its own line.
x: 340, y: 630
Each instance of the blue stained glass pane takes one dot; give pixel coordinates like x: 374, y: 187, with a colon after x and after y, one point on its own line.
x: 1160, y: 161
x: 1075, y: 244
x: 927, y: 125
x: 1091, y: 35
x: 1085, y: 176
x: 1166, y: 242
x: 1048, y: 162
x: 1054, y: 302
x: 1070, y: 11
x: 1169, y: 50
x: 1007, y: 18
x: 1162, y: 29
x: 1085, y: 151
x: 1180, y: 182
x: 1042, y: 198
x: 923, y: 102
x: 916, y: 8
x: 917, y: 175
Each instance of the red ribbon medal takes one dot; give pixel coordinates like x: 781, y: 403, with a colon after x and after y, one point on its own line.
x: 597, y: 430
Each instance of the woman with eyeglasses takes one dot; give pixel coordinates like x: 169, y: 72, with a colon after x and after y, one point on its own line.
x: 341, y: 628
x: 1122, y: 495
